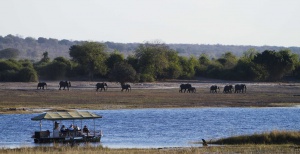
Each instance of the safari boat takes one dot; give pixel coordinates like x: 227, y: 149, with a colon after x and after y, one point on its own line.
x: 67, y: 136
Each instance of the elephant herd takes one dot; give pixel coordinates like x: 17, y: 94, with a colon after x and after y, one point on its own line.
x: 66, y: 84
x: 238, y: 88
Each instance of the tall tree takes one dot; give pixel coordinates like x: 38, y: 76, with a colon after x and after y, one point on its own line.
x: 277, y: 63
x: 91, y: 56
x: 228, y: 60
x: 45, y: 58
x: 154, y: 59
x: 115, y: 57
x: 122, y: 73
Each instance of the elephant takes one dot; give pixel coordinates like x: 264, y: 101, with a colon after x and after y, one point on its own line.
x: 101, y: 86
x: 64, y: 84
x: 228, y: 89
x: 126, y: 87
x: 184, y: 87
x: 191, y: 90
x: 214, y: 89
x: 240, y: 88
x: 41, y: 85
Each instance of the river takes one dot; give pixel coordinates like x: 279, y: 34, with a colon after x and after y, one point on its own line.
x: 157, y: 128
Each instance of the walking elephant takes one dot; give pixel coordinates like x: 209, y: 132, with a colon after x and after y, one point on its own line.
x: 214, y: 89
x: 127, y: 87
x: 184, y: 87
x: 228, y: 89
x: 41, y: 85
x: 101, y: 86
x: 64, y: 84
x: 240, y: 88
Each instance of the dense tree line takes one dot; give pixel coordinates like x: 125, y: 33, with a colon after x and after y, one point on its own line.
x: 33, y: 49
x: 151, y: 62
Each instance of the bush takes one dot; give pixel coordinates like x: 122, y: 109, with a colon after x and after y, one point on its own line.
x: 273, y: 137
x: 8, y: 75
x: 27, y: 75
x: 146, y: 78
x: 9, y: 65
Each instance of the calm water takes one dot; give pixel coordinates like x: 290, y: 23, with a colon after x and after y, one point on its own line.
x: 147, y: 128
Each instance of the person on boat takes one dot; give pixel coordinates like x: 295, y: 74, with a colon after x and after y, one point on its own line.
x: 56, y: 125
x: 71, y: 128
x: 63, y: 130
x: 85, y: 129
x: 76, y: 129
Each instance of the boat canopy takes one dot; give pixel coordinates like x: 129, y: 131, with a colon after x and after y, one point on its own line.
x: 66, y: 115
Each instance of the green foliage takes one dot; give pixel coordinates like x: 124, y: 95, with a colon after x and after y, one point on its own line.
x: 115, y: 57
x: 248, y: 71
x: 9, y: 65
x: 276, y: 63
x: 27, y: 75
x: 21, y: 71
x: 91, y: 56
x: 214, y: 70
x: 296, y: 72
x: 188, y: 66
x: 228, y: 60
x: 59, y: 68
x: 250, y: 53
x: 56, y: 70
x: 155, y: 60
x: 45, y: 58
x: 204, y: 59
x: 9, y: 53
x: 273, y: 137
x: 146, y: 78
x: 203, y: 64
x: 123, y: 72
x: 133, y: 61
x: 173, y: 71
x: 253, y: 66
x: 151, y: 61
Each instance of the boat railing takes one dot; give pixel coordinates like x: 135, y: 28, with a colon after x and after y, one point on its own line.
x: 93, y: 133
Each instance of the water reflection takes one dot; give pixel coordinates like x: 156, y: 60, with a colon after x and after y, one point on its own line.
x: 151, y: 128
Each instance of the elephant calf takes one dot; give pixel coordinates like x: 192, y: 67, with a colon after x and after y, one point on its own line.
x: 41, y: 85
x: 191, y: 90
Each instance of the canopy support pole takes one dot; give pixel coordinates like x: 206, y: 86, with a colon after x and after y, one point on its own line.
x: 81, y: 128
x: 40, y: 125
x: 94, y: 128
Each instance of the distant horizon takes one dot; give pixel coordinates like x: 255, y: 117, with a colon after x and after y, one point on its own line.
x: 21, y: 36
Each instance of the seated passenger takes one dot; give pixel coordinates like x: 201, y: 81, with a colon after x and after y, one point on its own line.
x: 71, y: 127
x: 85, y: 129
x: 77, y: 130
x: 63, y: 128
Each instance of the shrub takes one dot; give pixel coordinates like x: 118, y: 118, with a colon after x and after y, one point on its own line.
x: 146, y: 78
x: 273, y: 137
x: 27, y: 75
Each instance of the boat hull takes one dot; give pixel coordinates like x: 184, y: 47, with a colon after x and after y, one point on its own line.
x: 68, y: 140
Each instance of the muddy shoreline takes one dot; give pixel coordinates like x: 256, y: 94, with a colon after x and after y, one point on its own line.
x: 21, y: 97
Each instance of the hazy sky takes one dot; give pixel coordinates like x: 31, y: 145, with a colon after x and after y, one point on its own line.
x: 228, y: 22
